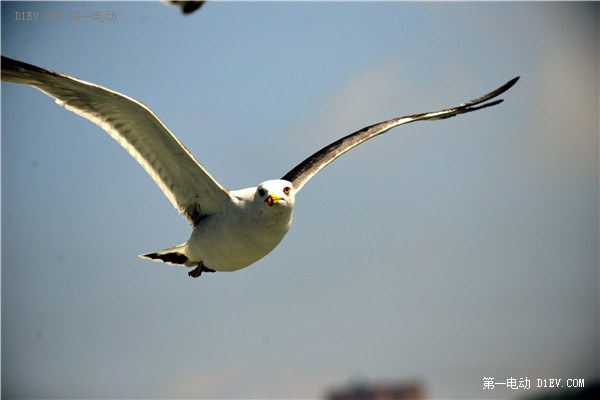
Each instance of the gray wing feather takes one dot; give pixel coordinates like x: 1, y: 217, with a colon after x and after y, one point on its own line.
x: 313, y: 164
x: 191, y: 189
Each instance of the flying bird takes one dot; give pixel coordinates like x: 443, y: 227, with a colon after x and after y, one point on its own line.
x: 232, y: 229
x: 187, y: 7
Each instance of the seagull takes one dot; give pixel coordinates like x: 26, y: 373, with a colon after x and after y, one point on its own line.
x: 232, y: 229
x: 187, y: 7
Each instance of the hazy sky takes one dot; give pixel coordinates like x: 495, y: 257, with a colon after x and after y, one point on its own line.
x: 443, y: 252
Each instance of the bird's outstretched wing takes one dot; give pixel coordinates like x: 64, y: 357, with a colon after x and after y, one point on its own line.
x: 191, y: 189
x: 313, y: 164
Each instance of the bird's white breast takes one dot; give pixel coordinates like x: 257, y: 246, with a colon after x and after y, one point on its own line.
x: 240, y: 235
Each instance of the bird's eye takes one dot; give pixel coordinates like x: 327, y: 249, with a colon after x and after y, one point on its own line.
x: 261, y: 192
x: 286, y: 190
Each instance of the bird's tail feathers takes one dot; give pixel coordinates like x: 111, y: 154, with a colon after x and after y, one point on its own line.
x: 174, y: 256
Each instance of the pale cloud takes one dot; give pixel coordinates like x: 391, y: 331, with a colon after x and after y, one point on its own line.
x: 368, y: 96
x: 566, y: 119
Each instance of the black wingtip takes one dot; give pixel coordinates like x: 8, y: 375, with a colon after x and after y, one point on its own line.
x: 505, y: 87
x: 494, y: 93
x: 11, y: 65
x: 510, y: 83
x: 501, y: 89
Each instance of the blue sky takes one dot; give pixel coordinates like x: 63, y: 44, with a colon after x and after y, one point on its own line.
x: 444, y: 251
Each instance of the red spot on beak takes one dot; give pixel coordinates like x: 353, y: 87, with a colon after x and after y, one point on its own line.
x: 270, y: 201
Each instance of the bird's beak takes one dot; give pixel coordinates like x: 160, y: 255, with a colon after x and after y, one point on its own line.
x: 272, y: 199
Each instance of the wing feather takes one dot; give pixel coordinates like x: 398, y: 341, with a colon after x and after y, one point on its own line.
x: 185, y: 182
x: 300, y: 174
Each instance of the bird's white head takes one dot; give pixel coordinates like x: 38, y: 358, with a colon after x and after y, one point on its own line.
x: 276, y: 193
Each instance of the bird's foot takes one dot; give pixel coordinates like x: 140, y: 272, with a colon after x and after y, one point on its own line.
x: 196, y: 272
